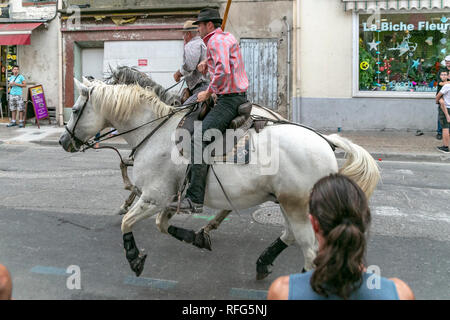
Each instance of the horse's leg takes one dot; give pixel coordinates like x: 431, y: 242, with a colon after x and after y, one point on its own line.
x: 124, y: 208
x: 296, y: 211
x: 162, y: 222
x: 200, y: 239
x: 141, y: 210
x: 125, y: 178
x: 269, y: 255
x: 218, y: 219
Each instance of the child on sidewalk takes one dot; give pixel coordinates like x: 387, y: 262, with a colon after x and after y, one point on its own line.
x: 443, y: 100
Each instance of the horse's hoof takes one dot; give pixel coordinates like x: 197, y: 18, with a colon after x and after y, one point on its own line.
x: 202, y: 240
x: 137, y: 265
x: 121, y: 212
x: 262, y: 271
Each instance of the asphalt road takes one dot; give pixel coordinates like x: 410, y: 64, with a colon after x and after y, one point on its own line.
x: 59, y: 210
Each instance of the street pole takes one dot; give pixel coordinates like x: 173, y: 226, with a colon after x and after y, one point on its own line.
x: 225, y: 16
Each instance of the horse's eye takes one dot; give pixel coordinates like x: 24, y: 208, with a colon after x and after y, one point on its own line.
x: 75, y: 111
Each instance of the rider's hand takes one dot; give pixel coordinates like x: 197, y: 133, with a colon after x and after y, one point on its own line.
x: 177, y: 76
x: 202, y: 67
x: 448, y: 118
x: 203, y: 96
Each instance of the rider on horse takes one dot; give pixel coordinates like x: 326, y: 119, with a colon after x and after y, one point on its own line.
x: 229, y: 82
x: 194, y: 53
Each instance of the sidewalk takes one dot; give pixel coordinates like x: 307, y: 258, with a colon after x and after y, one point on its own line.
x: 383, y: 145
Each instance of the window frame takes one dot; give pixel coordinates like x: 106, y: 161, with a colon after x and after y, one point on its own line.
x: 356, y: 93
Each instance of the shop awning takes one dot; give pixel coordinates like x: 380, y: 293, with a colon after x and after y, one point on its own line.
x: 16, y: 33
x: 373, y: 5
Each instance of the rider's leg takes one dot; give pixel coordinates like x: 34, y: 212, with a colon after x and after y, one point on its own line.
x: 219, y: 118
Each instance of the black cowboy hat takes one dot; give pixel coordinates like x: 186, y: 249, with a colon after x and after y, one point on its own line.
x: 208, y: 14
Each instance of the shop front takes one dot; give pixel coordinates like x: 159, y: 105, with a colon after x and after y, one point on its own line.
x: 12, y: 36
x: 376, y: 62
x: 401, y: 52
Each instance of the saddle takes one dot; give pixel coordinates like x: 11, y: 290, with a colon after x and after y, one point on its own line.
x: 241, y: 124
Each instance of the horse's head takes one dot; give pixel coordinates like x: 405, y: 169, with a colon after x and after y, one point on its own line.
x: 84, y: 122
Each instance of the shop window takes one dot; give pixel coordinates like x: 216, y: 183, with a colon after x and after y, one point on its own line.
x: 402, y: 52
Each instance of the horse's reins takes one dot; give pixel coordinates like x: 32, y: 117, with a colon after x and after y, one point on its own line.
x: 90, y: 144
x: 184, y: 80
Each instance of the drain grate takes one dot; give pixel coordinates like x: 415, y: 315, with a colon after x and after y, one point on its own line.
x: 270, y: 214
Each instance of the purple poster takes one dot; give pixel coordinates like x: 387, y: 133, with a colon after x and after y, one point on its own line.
x: 40, y: 106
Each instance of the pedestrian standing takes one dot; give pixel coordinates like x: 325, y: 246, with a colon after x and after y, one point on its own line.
x: 446, y: 68
x: 16, y: 83
x: 340, y: 218
x: 444, y: 116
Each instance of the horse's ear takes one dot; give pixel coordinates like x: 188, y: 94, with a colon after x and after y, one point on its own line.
x: 86, y: 81
x: 82, y: 89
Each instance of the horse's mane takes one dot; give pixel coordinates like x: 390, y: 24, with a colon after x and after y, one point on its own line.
x: 121, y: 101
x: 128, y: 75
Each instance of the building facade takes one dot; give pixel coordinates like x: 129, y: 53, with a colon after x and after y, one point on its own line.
x: 29, y: 37
x: 368, y: 65
x: 98, y: 35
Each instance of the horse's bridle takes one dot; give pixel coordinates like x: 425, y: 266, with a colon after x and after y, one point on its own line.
x: 75, y: 140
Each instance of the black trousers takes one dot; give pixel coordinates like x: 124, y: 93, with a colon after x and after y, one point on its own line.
x: 219, y: 118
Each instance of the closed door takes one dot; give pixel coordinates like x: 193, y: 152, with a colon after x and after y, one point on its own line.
x: 92, y: 62
x: 261, y: 65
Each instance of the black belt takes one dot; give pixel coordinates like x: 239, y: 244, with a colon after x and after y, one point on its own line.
x: 233, y: 94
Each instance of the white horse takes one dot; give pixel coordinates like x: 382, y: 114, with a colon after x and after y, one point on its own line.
x: 298, y: 159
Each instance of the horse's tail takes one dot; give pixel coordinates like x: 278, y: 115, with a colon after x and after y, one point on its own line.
x: 360, y: 165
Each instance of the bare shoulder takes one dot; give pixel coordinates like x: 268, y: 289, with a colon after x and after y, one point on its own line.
x: 279, y: 289
x: 403, y: 290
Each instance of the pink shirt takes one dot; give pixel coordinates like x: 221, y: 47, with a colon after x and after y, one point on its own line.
x: 225, y: 64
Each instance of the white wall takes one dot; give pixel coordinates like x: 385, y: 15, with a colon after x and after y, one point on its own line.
x: 39, y: 61
x: 325, y: 49
x: 19, y: 12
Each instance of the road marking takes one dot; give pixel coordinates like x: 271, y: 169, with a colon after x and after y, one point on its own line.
x: 405, y: 171
x: 248, y: 294
x: 49, y: 270
x: 150, y: 282
x: 209, y: 218
x: 389, y: 212
x: 395, y: 212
